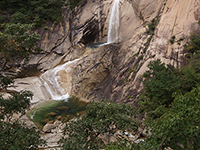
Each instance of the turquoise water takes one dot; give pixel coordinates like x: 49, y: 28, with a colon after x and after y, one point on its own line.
x: 57, y: 110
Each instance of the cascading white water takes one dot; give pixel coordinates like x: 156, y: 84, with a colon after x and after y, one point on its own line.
x: 113, y: 23
x: 58, y: 80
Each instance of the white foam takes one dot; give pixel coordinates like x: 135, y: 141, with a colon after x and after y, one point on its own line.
x: 58, y: 80
x: 113, y: 23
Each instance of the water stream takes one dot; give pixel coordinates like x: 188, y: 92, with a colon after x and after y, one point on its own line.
x: 58, y: 80
x: 113, y: 23
x: 113, y: 28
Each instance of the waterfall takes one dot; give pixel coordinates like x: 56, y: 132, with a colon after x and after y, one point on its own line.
x: 113, y: 23
x: 58, y: 80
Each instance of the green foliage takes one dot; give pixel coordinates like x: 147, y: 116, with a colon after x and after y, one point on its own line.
x: 16, y: 136
x: 2, y: 18
x: 100, y: 118
x: 18, y: 103
x: 171, y: 99
x: 140, y: 57
x: 73, y: 3
x: 18, y: 17
x: 178, y: 127
x: 121, y: 144
x: 17, y: 41
x: 46, y: 28
x: 4, y: 82
x: 161, y: 81
x: 193, y: 46
x: 172, y: 39
x: 152, y: 26
x: 148, y: 42
x: 33, y: 11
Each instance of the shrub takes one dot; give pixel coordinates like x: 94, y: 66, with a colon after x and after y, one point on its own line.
x: 18, y: 17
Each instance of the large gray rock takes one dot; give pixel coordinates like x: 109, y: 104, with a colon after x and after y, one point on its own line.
x: 48, y: 127
x: 121, y: 80
x: 33, y: 84
x: 91, y: 70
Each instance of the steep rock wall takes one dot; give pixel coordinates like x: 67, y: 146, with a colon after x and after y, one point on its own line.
x: 113, y: 72
x: 138, y: 47
x: 87, y: 24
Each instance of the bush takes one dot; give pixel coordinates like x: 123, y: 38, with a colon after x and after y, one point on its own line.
x: 193, y: 46
x: 18, y: 17
x: 36, y: 11
x: 100, y: 118
x: 178, y: 127
x: 2, y: 18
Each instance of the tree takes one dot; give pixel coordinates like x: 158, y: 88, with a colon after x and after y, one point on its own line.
x: 15, y: 134
x: 100, y: 118
x: 171, y: 99
x: 30, y: 10
x: 5, y: 82
x: 160, y: 82
x: 193, y: 46
x: 17, y: 42
x: 17, y: 103
x: 177, y: 128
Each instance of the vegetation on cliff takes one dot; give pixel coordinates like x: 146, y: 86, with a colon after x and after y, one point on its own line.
x: 17, y: 42
x: 171, y: 101
x: 170, y: 104
x: 31, y: 11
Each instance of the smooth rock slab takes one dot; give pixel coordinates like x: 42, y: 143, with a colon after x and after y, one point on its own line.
x: 33, y: 84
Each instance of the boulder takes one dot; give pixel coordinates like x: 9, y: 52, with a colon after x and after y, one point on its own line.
x: 48, y: 127
x: 33, y: 84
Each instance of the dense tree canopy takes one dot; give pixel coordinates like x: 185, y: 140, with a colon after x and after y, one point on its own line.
x: 17, y: 41
x: 178, y: 127
x: 100, y: 118
x: 32, y: 11
x: 15, y: 134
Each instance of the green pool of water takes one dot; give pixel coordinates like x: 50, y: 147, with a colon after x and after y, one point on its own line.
x: 57, y: 110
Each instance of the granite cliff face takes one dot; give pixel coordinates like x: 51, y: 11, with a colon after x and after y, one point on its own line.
x: 112, y: 72
x: 149, y: 30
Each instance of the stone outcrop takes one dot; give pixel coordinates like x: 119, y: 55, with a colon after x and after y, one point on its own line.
x: 138, y: 47
x: 91, y: 70
x: 89, y: 23
x: 53, y: 132
x: 55, y: 127
x: 112, y: 72
x: 34, y: 85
